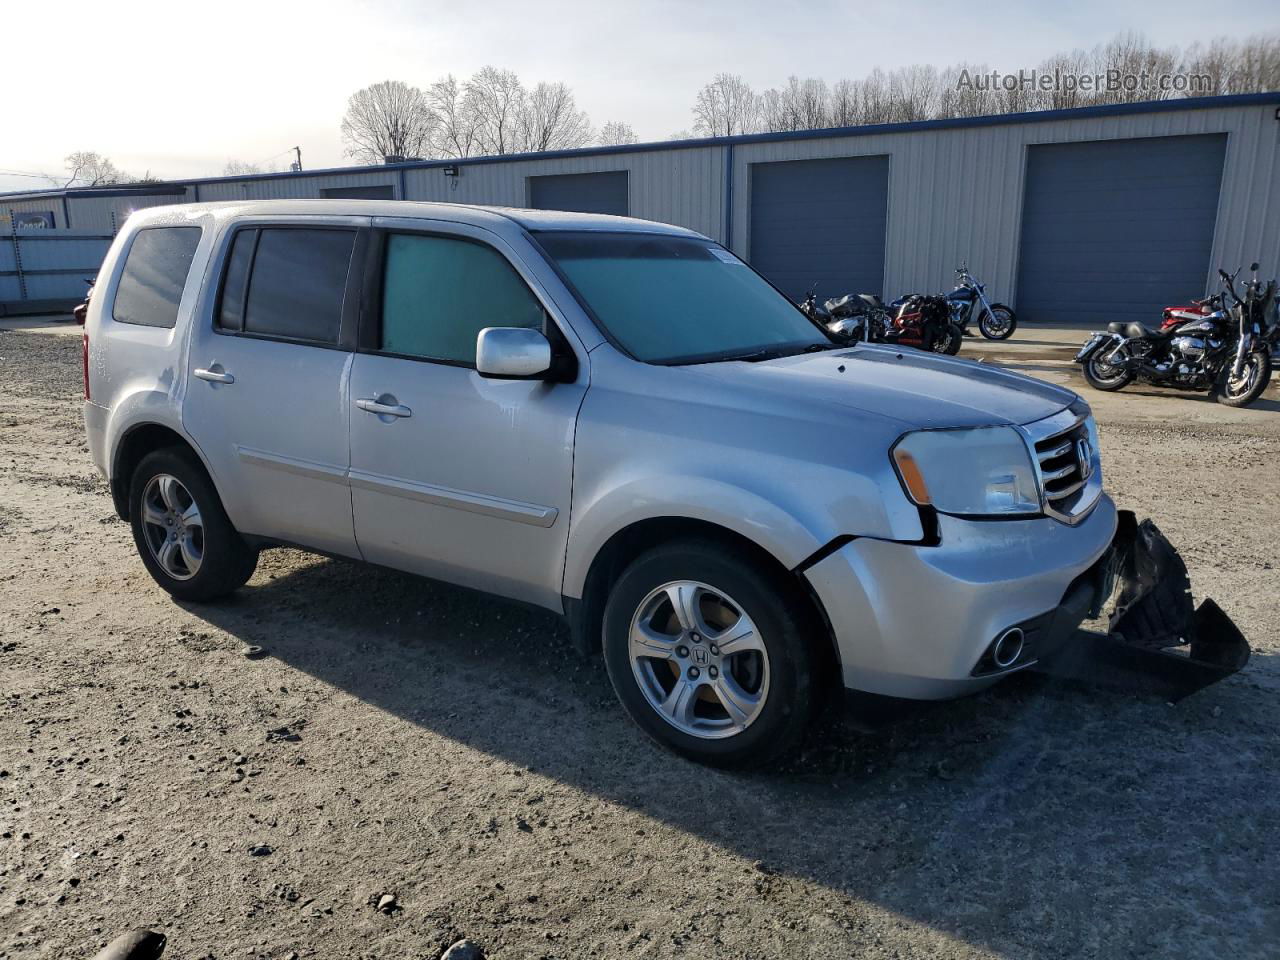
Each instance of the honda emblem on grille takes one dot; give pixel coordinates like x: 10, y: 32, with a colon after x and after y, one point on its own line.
x: 1084, y: 457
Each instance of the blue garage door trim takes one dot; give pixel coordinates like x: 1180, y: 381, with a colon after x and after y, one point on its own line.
x: 581, y: 192
x: 1117, y: 229
x: 820, y: 222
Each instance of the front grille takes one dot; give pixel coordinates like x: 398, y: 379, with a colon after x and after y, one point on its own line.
x: 1065, y: 461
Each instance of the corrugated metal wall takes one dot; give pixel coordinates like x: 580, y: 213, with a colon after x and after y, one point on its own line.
x: 40, y: 205
x: 957, y: 194
x: 954, y: 193
x: 684, y: 187
x: 108, y: 214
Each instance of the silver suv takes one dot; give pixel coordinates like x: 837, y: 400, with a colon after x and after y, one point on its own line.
x: 614, y: 419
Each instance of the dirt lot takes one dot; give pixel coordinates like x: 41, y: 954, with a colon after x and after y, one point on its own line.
x: 406, y: 738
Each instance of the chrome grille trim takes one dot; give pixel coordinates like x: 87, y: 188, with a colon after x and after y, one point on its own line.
x: 1066, y: 493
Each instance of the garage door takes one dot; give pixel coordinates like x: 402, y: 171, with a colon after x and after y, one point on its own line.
x: 1117, y: 229
x: 581, y: 192
x: 820, y: 222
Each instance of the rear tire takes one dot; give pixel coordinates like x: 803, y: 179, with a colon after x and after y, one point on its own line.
x: 1257, y: 374
x: 1104, y: 376
x: 998, y: 323
x: 948, y: 342
x: 182, y: 533
x: 745, y: 702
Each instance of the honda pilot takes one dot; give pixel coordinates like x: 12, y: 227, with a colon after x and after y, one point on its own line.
x: 616, y: 420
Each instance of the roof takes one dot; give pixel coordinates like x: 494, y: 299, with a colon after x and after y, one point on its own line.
x: 949, y: 123
x: 474, y: 214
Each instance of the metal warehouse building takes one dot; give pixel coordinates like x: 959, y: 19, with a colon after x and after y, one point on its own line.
x: 1094, y: 214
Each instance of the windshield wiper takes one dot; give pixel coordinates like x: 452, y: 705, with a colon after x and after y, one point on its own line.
x: 775, y: 353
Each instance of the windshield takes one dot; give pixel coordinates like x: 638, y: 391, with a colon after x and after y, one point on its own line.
x: 677, y: 300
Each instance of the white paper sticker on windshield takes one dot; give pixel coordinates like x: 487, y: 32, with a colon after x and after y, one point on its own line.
x: 721, y: 254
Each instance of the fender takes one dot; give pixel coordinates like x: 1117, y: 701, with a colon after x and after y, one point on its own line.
x: 1098, y: 342
x: 144, y: 407
x: 765, y: 523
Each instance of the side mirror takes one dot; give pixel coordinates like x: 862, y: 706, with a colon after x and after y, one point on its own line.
x: 1254, y: 266
x: 512, y: 353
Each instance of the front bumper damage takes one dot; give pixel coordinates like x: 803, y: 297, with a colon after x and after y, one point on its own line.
x: 1157, y: 641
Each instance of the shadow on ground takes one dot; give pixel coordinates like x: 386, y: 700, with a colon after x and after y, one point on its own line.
x: 1036, y: 819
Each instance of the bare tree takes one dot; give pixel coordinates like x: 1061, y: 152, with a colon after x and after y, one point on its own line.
x: 388, y: 119
x: 241, y: 168
x: 725, y: 107
x: 551, y: 120
x: 800, y: 105
x: 495, y: 100
x: 844, y: 108
x: 91, y: 169
x: 616, y: 132
x: 455, y: 130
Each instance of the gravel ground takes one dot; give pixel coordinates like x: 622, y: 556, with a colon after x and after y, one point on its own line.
x: 410, y: 739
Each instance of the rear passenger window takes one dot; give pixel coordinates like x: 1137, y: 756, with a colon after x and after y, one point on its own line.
x: 438, y: 293
x: 236, y: 282
x: 155, y: 273
x: 296, y: 283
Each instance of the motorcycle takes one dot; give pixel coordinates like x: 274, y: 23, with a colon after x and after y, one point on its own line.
x: 1219, y: 344
x: 853, y: 317
x: 995, y: 320
x: 926, y: 323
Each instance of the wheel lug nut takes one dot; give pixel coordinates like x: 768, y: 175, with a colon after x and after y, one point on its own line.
x: 715, y: 651
x: 695, y: 638
x: 682, y: 651
x: 693, y: 673
x: 713, y: 672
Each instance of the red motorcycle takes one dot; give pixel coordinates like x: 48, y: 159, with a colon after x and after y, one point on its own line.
x: 925, y: 323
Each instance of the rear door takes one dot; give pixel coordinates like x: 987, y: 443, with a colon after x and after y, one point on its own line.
x: 267, y: 397
x: 469, y: 480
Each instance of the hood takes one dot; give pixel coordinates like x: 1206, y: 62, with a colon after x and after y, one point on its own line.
x: 916, y: 388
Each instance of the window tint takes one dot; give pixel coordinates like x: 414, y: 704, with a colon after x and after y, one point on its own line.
x: 231, y: 312
x: 155, y: 272
x: 297, y: 284
x: 678, y: 299
x: 439, y: 293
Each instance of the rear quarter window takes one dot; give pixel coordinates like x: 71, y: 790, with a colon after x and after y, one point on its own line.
x: 155, y: 273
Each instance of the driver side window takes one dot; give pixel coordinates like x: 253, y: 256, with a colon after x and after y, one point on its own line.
x: 438, y: 293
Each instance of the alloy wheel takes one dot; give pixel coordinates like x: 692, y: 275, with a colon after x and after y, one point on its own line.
x: 699, y: 659
x: 172, y: 526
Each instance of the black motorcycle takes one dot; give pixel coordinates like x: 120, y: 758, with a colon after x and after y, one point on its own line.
x: 1225, y: 349
x: 969, y: 299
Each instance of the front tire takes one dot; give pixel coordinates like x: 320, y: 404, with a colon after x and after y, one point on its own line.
x: 1105, y: 376
x: 182, y: 533
x: 710, y: 654
x: 1253, y: 380
x: 948, y: 342
x: 998, y: 323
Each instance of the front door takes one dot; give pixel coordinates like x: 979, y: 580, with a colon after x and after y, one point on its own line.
x: 268, y: 377
x: 456, y: 476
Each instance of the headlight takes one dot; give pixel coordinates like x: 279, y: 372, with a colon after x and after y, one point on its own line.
x: 982, y: 471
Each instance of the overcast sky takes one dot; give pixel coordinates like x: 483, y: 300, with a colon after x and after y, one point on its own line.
x: 179, y: 88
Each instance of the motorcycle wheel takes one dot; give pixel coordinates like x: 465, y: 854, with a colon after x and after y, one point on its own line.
x: 1253, y: 380
x: 998, y: 323
x: 1106, y: 376
x: 949, y: 342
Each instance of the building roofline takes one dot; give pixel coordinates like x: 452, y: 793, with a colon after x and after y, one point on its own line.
x: 949, y: 123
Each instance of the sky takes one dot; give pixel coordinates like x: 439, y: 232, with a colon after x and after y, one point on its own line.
x: 178, y: 88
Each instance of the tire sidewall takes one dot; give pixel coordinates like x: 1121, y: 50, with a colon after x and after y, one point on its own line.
x: 1100, y: 384
x: 226, y: 556
x: 788, y: 707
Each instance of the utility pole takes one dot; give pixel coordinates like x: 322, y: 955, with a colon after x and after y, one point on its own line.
x: 297, y: 164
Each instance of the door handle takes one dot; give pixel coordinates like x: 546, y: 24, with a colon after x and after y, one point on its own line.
x: 214, y: 375
x: 384, y: 406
